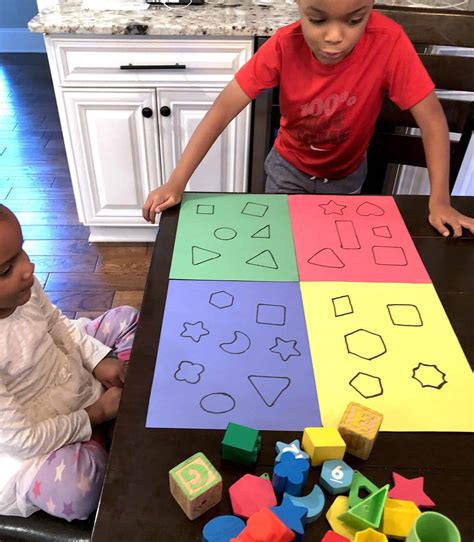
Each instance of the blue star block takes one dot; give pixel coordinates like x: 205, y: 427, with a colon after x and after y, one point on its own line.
x: 222, y: 529
x: 313, y: 502
x: 292, y: 516
x: 290, y: 474
x: 336, y: 476
x: 293, y: 447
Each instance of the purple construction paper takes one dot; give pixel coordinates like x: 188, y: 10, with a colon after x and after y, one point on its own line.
x: 216, y: 363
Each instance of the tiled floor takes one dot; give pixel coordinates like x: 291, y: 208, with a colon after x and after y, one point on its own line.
x: 80, y: 277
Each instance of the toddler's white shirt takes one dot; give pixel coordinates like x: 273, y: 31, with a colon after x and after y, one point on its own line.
x: 46, y: 381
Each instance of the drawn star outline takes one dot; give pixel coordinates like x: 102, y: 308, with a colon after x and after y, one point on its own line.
x: 194, y: 331
x: 286, y: 349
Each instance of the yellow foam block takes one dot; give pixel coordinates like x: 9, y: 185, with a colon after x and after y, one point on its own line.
x: 338, y: 507
x: 369, y: 535
x: 323, y: 443
x: 398, y: 518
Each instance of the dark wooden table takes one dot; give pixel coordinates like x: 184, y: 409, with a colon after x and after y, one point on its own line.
x: 136, y: 503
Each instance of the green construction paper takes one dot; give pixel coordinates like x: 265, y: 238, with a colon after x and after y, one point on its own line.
x: 245, y: 237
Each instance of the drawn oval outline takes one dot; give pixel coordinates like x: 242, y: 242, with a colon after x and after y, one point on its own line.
x: 215, y: 397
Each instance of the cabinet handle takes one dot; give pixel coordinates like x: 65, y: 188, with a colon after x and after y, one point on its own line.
x: 147, y: 112
x: 154, y: 67
x: 165, y: 111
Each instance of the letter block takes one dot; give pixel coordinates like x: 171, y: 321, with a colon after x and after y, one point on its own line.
x: 196, y: 485
x: 240, y: 444
x: 359, y: 427
x: 322, y: 443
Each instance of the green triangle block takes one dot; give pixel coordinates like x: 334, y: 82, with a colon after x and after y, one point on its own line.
x: 368, y: 513
x: 265, y: 476
x: 359, y: 481
x: 201, y: 255
x: 264, y: 259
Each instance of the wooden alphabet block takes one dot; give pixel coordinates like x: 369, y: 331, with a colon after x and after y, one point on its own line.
x: 322, y: 443
x: 359, y: 427
x: 196, y: 485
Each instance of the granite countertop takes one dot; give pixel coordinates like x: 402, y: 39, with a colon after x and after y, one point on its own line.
x: 215, y: 17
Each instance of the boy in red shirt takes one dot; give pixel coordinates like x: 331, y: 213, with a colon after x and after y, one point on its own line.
x: 334, y: 67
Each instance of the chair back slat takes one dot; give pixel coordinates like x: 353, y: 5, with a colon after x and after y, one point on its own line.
x: 450, y: 72
x: 457, y: 113
x: 434, y: 26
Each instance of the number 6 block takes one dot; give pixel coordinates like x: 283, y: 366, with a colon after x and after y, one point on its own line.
x: 196, y: 485
x: 336, y: 476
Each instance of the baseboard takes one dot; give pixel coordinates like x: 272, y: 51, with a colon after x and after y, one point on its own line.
x: 21, y: 40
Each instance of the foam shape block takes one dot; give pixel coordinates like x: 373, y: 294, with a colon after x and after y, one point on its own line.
x: 240, y: 444
x: 338, y: 507
x: 369, y: 535
x: 359, y: 427
x: 290, y: 474
x: 331, y: 536
x: 293, y: 447
x: 292, y: 516
x: 250, y: 494
x: 336, y: 476
x: 398, y: 518
x: 222, y: 529
x: 368, y: 513
x: 196, y: 485
x: 265, y: 526
x: 323, y: 443
x: 313, y: 502
x: 410, y: 489
x: 359, y: 481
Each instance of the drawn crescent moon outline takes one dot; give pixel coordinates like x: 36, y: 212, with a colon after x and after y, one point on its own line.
x: 239, y: 345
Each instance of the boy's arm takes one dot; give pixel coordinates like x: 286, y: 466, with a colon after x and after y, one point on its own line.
x: 430, y: 118
x: 230, y: 102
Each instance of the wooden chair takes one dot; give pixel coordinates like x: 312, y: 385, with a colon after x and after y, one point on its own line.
x: 390, y: 145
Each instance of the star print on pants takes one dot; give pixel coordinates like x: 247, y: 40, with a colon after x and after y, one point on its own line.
x: 285, y: 349
x: 68, y: 509
x: 84, y: 485
x: 332, y: 208
x: 37, y: 488
x: 59, y: 471
x: 51, y: 506
x: 410, y: 489
x: 194, y: 331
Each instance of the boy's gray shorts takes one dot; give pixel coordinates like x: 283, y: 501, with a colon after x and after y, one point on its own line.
x: 283, y: 178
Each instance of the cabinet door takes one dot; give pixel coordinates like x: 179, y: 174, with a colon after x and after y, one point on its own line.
x: 224, y: 169
x: 114, y: 157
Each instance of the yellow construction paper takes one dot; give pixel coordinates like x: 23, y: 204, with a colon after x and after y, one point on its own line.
x: 391, y: 348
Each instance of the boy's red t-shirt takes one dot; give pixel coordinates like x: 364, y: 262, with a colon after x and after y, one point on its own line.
x: 328, y: 112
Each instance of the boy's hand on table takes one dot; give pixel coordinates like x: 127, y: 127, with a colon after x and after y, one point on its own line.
x: 161, y: 199
x: 443, y: 214
x: 111, y: 372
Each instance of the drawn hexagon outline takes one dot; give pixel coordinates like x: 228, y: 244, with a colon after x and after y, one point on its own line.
x: 365, y: 344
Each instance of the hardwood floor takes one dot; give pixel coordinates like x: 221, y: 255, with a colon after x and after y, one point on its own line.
x: 82, y: 278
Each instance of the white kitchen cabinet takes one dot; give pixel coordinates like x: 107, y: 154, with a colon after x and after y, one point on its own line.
x: 121, y: 143
x: 225, y: 166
